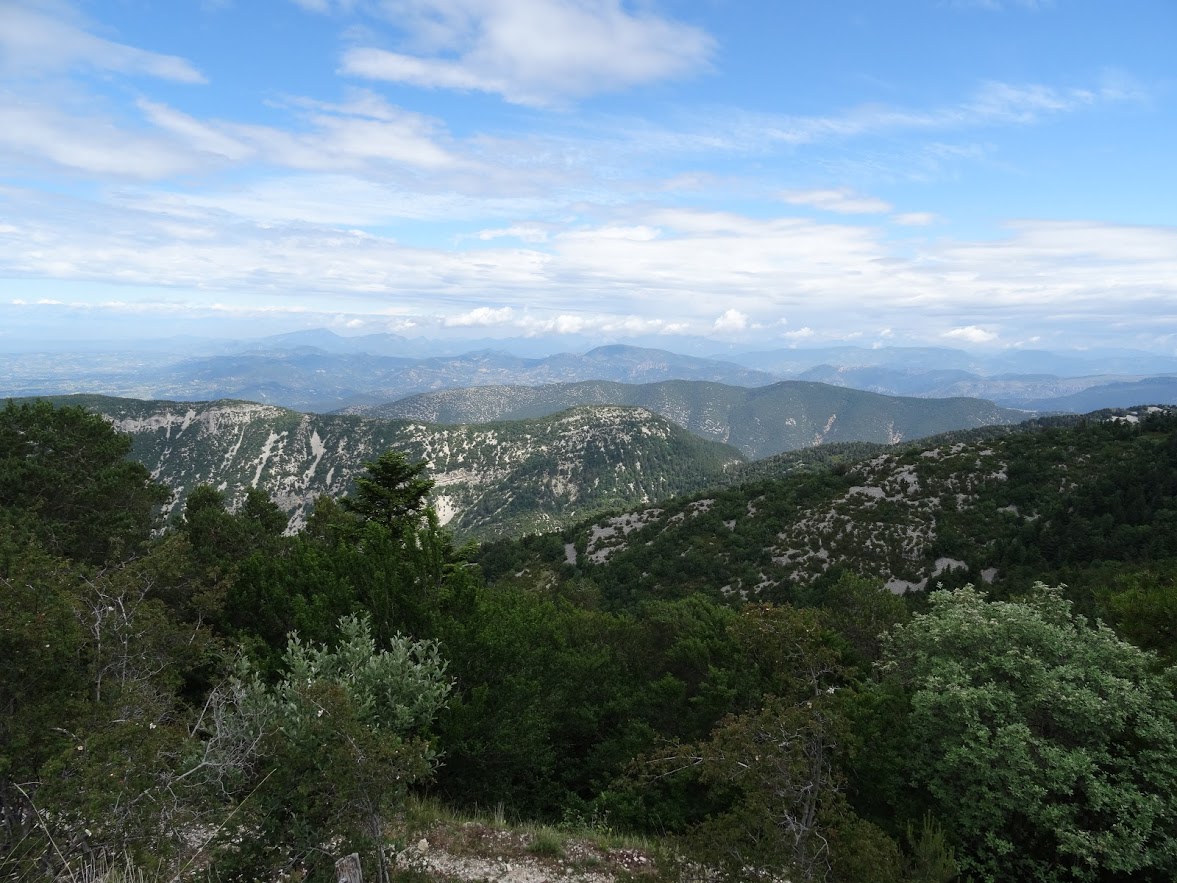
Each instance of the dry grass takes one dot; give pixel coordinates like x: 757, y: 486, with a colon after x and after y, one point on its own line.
x: 588, y: 849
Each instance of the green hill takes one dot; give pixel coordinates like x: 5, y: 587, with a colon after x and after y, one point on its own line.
x: 491, y: 479
x: 1001, y: 506
x: 760, y: 421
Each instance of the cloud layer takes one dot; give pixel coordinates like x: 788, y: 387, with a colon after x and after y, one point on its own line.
x: 540, y: 53
x: 515, y: 208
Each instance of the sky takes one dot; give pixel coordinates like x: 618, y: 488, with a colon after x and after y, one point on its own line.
x: 974, y: 173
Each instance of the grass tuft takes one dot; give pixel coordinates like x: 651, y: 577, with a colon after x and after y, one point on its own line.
x: 546, y: 842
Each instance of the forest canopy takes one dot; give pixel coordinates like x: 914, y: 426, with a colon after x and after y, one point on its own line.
x: 222, y: 697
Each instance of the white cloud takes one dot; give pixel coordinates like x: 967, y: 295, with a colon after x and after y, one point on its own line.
x: 998, y: 5
x: 39, y: 37
x: 34, y: 133
x: 841, y: 201
x: 991, y: 103
x: 324, y: 200
x: 603, y: 323
x: 830, y: 279
x: 800, y: 333
x: 1009, y: 103
x: 480, y: 317
x: 914, y: 219
x: 379, y: 64
x: 365, y: 136
x: 970, y: 334
x: 365, y: 133
x: 731, y: 320
x: 327, y: 6
x: 541, y: 52
x: 523, y: 232
x: 202, y: 137
x: 636, y: 233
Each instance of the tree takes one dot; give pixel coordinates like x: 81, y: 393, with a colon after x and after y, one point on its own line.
x: 776, y: 763
x: 42, y: 681
x: 393, y: 492
x: 94, y: 726
x: 67, y: 471
x: 861, y: 610
x: 70, y: 502
x: 327, y: 753
x: 222, y: 539
x: 1047, y: 745
x: 1141, y: 604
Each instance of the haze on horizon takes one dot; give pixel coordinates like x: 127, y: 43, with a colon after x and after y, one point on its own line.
x: 993, y: 173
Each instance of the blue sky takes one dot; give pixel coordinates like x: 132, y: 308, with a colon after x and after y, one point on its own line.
x: 993, y: 173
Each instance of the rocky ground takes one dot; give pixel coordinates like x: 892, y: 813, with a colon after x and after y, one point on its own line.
x: 474, y: 852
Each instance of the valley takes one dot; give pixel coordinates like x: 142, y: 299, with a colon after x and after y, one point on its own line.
x: 588, y: 441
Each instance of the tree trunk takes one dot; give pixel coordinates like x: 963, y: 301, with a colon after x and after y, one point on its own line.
x: 347, y: 869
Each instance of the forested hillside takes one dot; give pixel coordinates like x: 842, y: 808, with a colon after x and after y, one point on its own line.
x: 1003, y: 506
x: 762, y: 421
x: 494, y: 479
x: 225, y: 702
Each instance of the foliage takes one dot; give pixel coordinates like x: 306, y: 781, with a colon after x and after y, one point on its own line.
x: 393, y: 492
x: 89, y: 660
x: 1141, y: 604
x: 1005, y: 739
x: 42, y: 681
x: 861, y: 611
x: 336, y: 743
x: 555, y: 700
x: 776, y: 762
x: 1047, y: 745
x: 1055, y: 499
x: 65, y: 470
x: 930, y: 857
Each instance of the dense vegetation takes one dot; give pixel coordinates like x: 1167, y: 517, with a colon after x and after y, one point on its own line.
x: 1089, y: 503
x: 760, y: 421
x: 238, y: 703
x: 493, y: 479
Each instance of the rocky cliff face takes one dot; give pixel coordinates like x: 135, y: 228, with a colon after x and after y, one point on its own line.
x: 491, y: 479
x: 908, y: 517
x: 760, y: 421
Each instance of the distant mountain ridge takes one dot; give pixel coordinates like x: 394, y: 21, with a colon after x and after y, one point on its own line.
x: 308, y: 378
x: 1150, y: 390
x: 1038, y: 392
x: 792, y: 362
x: 491, y: 479
x: 319, y: 370
x: 761, y: 421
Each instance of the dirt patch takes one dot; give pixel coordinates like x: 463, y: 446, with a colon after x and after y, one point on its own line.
x: 474, y: 852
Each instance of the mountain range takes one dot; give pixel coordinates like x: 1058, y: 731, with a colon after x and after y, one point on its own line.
x: 318, y: 370
x: 491, y: 479
x: 313, y: 379
x: 510, y: 460
x: 760, y: 421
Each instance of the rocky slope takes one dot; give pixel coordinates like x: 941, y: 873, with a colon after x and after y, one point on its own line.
x: 760, y: 421
x: 491, y: 479
x: 1034, y: 500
